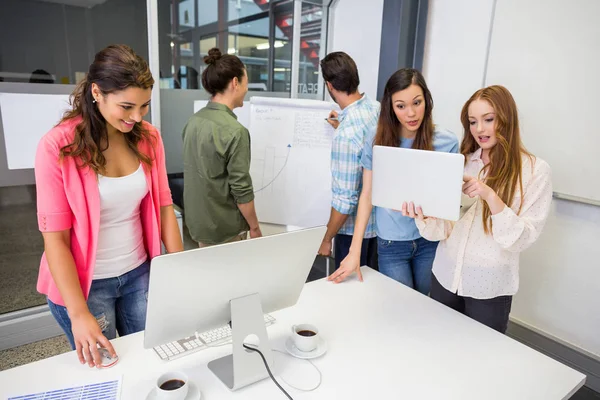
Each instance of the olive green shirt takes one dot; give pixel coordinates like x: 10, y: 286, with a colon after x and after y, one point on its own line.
x: 216, y: 161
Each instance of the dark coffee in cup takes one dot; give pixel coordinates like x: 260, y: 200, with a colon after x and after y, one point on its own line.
x: 172, y: 384
x: 305, y: 337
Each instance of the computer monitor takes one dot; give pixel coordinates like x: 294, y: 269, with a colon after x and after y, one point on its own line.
x: 201, y: 289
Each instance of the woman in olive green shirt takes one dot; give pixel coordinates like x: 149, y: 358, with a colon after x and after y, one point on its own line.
x: 218, y: 195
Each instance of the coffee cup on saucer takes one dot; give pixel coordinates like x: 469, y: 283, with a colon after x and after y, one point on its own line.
x: 305, y: 337
x: 172, y: 385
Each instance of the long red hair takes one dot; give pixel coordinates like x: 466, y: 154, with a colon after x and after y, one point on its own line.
x: 504, y: 171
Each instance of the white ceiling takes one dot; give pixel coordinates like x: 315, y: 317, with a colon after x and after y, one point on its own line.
x: 77, y: 3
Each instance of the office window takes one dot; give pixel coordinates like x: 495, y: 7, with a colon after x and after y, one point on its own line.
x: 186, y: 15
x: 208, y: 11
x: 310, y: 54
x: 238, y: 9
x: 246, y: 28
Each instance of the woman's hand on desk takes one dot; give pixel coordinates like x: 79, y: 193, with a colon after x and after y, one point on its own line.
x: 349, y: 265
x: 86, y: 334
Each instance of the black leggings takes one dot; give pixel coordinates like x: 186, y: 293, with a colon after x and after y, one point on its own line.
x: 490, y: 312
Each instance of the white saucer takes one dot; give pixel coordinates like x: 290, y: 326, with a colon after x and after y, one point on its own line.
x: 306, y: 355
x: 193, y: 393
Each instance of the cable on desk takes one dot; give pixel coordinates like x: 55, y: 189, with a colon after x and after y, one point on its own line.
x: 281, y: 377
x: 268, y: 369
x: 308, y: 361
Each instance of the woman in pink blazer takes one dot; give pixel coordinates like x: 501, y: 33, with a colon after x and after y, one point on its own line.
x: 104, y: 205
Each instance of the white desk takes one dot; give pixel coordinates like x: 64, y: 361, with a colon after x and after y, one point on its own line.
x: 385, y: 341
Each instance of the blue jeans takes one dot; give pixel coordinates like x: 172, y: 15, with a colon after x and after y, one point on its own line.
x: 408, y: 262
x: 368, y: 252
x: 118, y: 304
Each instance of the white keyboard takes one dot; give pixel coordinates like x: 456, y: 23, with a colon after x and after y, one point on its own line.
x: 183, y: 347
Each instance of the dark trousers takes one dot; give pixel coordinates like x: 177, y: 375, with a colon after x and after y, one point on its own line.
x: 490, y: 312
x: 368, y: 254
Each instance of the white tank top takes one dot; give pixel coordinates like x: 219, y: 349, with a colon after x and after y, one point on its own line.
x: 121, y: 239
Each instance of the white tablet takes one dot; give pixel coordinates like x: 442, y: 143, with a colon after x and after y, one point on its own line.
x: 430, y: 179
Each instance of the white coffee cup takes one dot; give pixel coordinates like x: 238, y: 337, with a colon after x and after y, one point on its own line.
x: 173, y: 394
x: 305, y: 337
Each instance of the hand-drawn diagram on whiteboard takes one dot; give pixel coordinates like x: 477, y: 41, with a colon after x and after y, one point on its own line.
x: 268, y: 171
x: 291, y: 151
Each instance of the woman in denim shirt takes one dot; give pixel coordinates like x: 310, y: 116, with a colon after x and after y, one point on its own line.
x: 405, y: 121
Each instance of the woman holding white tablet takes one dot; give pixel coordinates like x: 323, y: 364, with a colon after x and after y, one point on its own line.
x: 405, y: 121
x: 507, y: 196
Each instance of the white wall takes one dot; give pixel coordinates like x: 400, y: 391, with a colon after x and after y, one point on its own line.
x: 356, y: 30
x: 560, y: 277
x: 560, y: 274
x: 455, y: 52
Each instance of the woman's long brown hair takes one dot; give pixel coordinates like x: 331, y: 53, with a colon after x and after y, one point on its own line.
x: 115, y: 68
x: 503, y: 174
x: 388, y: 126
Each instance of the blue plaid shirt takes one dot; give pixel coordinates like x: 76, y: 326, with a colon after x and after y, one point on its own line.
x: 357, y: 121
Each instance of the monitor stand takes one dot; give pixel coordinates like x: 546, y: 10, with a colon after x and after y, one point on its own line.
x: 244, y: 367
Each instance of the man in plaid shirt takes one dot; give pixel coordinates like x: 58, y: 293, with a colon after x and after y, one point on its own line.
x: 357, y: 119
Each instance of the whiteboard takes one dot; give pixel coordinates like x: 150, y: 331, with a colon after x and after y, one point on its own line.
x: 25, y: 119
x: 547, y: 53
x: 243, y: 113
x: 291, y: 154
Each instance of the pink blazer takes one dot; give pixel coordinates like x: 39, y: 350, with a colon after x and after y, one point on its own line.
x: 68, y: 198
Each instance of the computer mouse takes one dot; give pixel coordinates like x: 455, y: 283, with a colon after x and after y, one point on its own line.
x: 107, y: 360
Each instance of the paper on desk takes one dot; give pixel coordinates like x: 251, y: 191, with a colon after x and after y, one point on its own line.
x: 109, y: 390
